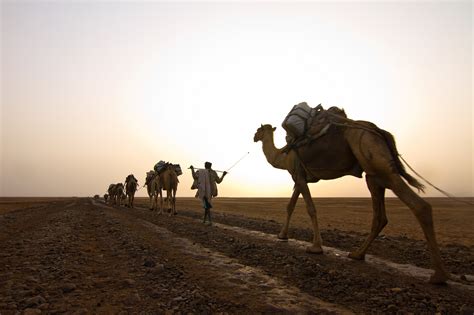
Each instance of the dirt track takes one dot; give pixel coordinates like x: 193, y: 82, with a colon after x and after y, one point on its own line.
x: 81, y: 256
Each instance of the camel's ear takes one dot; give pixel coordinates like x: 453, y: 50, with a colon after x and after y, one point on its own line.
x: 274, y: 128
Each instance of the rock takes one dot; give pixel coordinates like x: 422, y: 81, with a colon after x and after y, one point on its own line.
x: 466, y: 310
x: 154, y: 294
x: 149, y: 263
x: 32, y: 279
x: 160, y: 267
x: 178, y: 299
x: 392, y: 308
x: 132, y: 299
x: 31, y: 311
x: 68, y: 287
x: 129, y: 282
x: 467, y: 278
x: 44, y: 306
x: 81, y: 311
x: 396, y: 289
x: 35, y: 301
x: 12, y: 306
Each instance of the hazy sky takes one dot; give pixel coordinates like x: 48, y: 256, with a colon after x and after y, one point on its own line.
x: 92, y: 91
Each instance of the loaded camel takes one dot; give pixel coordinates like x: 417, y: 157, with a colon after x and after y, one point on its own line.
x: 351, y: 148
x: 119, y: 194
x: 111, y: 194
x: 169, y: 182
x: 130, y: 189
x: 152, y: 183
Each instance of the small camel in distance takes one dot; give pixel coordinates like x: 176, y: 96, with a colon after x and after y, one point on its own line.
x: 153, y: 184
x: 351, y: 148
x: 130, y: 189
x: 169, y: 182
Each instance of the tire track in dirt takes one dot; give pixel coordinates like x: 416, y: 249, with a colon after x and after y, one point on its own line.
x: 358, y: 285
x: 422, y: 274
x: 83, y: 260
x: 458, y: 259
x: 239, y: 283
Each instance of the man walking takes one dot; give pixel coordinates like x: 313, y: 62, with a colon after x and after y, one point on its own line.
x: 207, y: 180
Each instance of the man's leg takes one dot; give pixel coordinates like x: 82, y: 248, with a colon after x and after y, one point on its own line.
x: 205, y: 210
x: 209, y: 206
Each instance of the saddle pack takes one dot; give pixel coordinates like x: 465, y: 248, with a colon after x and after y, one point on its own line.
x: 304, y: 124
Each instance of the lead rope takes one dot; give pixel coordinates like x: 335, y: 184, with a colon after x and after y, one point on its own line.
x: 438, y: 189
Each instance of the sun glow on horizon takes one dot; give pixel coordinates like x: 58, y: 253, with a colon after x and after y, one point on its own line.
x: 112, y: 88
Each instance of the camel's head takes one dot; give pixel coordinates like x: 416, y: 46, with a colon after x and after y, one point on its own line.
x: 262, y: 131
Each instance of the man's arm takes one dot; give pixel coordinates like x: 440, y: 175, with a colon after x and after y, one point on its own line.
x: 193, y: 172
x: 219, y: 180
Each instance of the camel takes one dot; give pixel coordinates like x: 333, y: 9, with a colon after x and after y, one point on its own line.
x: 111, y: 194
x: 119, y: 194
x: 351, y: 148
x: 169, y: 182
x: 152, y: 183
x: 130, y: 189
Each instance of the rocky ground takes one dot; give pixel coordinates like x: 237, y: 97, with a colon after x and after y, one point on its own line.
x: 81, y: 256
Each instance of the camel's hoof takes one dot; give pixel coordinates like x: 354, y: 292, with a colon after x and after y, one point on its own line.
x: 439, y: 278
x: 314, y: 249
x: 356, y: 256
x: 283, y: 237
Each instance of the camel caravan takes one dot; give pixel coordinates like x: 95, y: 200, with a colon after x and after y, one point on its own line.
x: 321, y: 145
x: 164, y: 176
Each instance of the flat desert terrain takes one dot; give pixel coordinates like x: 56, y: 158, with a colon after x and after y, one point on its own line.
x: 81, y: 256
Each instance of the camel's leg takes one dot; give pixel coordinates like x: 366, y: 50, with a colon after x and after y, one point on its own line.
x: 174, y: 202
x: 169, y: 201
x: 283, y: 235
x: 379, y: 219
x: 161, y: 201
x: 316, y: 248
x: 423, y: 213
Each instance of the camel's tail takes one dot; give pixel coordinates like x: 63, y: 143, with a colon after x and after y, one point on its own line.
x: 401, y: 169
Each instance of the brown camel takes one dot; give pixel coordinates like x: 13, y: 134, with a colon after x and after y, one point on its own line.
x: 130, y: 190
x: 119, y: 194
x: 169, y: 182
x: 152, y: 183
x: 350, y: 149
x: 111, y: 193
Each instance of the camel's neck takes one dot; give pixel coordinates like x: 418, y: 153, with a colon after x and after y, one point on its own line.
x: 274, y: 155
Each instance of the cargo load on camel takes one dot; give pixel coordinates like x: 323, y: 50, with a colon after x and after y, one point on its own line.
x: 304, y: 124
x: 162, y: 165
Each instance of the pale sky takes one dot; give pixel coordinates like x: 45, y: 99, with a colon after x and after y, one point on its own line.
x: 92, y: 91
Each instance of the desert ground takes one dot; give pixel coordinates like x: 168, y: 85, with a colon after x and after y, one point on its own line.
x: 81, y: 256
